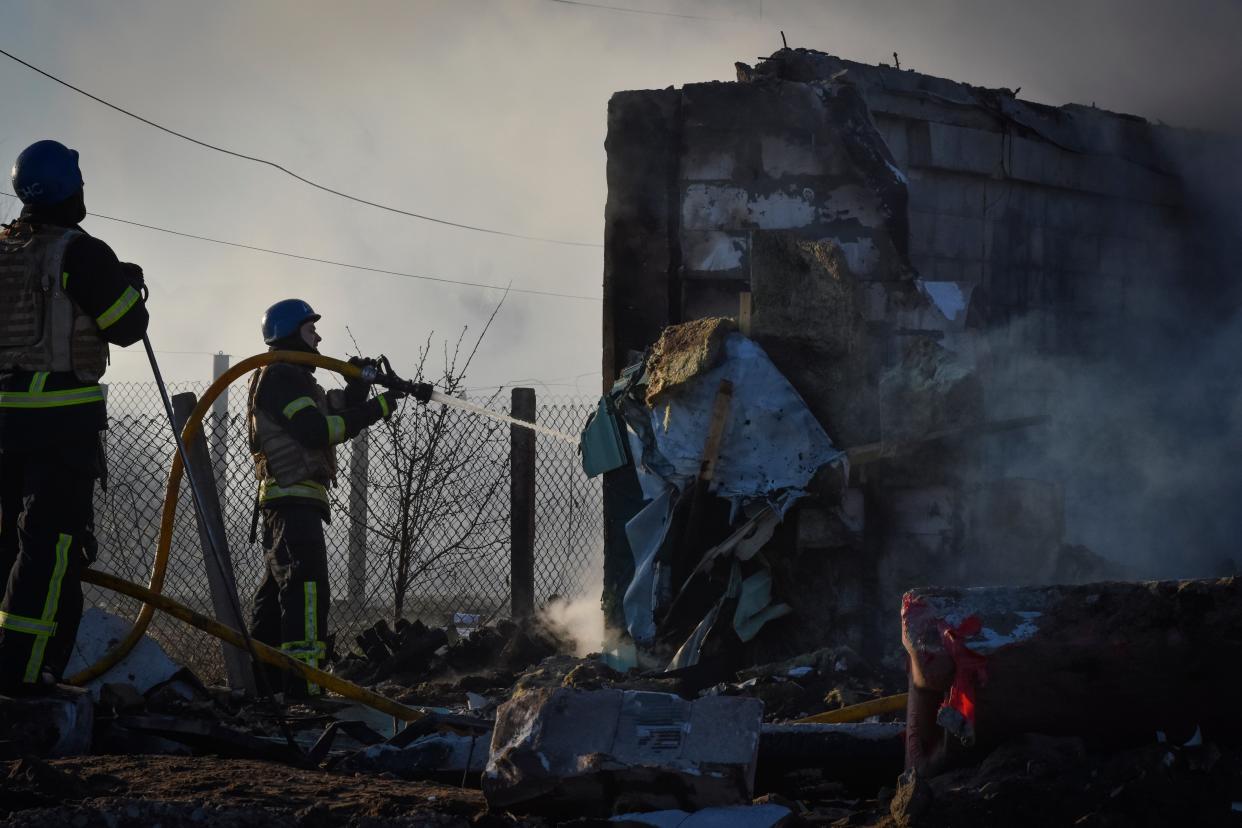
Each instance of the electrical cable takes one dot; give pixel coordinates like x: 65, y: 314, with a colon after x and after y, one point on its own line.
x: 317, y: 260
x: 632, y: 11
x: 289, y: 172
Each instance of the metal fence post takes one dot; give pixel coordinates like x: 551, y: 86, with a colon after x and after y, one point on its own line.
x: 522, y: 506
x: 359, y: 466
x: 219, y: 429
x: 223, y: 585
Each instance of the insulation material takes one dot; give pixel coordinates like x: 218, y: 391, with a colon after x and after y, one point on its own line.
x: 685, y: 351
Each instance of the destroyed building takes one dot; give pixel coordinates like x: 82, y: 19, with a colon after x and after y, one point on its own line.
x: 915, y: 255
x: 845, y: 307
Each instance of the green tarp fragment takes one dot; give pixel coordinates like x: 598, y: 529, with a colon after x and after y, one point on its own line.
x: 603, y: 441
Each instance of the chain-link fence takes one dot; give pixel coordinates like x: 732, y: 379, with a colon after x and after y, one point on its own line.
x: 419, y: 516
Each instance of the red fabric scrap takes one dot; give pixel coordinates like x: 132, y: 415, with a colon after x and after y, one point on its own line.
x: 910, y: 603
x: 970, y: 671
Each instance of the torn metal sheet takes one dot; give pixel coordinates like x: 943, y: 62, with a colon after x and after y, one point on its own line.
x: 650, y: 481
x: 755, y: 607
x: 746, y: 540
x: 772, y: 443
x: 645, y: 532
x: 687, y: 654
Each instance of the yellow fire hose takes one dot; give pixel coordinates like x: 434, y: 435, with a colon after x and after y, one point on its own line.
x: 151, y: 597
x: 858, y: 712
x: 266, y: 654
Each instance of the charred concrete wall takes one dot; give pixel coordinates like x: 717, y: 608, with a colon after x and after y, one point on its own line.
x: 943, y: 214
x: 1073, y: 217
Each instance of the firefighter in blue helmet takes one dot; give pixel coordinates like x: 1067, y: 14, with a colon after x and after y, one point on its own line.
x: 294, y: 428
x: 64, y: 297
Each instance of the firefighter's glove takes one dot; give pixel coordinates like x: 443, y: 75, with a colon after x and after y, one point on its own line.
x: 388, y: 402
x: 132, y: 274
x: 421, y: 391
x: 357, y: 386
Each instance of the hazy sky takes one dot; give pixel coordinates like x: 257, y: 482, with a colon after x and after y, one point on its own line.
x: 487, y: 112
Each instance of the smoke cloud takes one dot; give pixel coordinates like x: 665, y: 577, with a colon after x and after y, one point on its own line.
x: 1146, y: 429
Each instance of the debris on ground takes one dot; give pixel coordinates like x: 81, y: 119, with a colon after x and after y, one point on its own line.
x: 567, y: 752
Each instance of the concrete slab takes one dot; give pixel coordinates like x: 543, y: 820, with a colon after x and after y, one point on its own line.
x: 596, y: 753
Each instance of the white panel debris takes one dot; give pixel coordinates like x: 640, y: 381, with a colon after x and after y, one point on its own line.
x: 146, y: 665
x: 946, y: 296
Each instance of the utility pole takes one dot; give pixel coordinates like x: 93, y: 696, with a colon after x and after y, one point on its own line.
x: 522, y: 505
x: 220, y: 429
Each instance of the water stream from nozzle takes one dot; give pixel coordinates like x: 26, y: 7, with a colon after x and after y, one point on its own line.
x: 456, y: 402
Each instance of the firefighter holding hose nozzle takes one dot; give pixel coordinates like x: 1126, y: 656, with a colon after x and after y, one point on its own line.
x: 294, y: 428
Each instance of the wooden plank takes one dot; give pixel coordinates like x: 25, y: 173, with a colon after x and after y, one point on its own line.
x: 220, y: 577
x: 743, y: 313
x: 715, y: 431
x: 522, y: 505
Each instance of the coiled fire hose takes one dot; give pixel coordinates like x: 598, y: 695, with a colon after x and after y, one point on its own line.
x: 151, y: 595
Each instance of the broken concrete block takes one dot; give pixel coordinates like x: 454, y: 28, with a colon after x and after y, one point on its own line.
x: 866, y: 754
x: 737, y: 816
x: 121, y: 697
x: 1111, y: 663
x: 146, y: 665
x: 435, y: 755
x: 57, y: 724
x: 596, y: 753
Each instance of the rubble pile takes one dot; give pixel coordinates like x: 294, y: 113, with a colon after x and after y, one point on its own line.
x: 573, y: 741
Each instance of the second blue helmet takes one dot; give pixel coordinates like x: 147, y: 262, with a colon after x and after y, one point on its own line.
x: 284, y: 318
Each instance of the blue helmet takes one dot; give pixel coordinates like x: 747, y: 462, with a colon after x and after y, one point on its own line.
x: 46, y: 173
x: 284, y: 318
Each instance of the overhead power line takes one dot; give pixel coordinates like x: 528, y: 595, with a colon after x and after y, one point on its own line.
x: 286, y: 254
x: 627, y: 10
x: 289, y: 172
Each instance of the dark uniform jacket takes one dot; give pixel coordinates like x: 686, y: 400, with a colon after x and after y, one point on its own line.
x: 96, y: 282
x: 290, y: 398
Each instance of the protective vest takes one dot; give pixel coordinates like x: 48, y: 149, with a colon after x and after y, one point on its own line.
x: 41, y: 329
x: 285, y: 467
